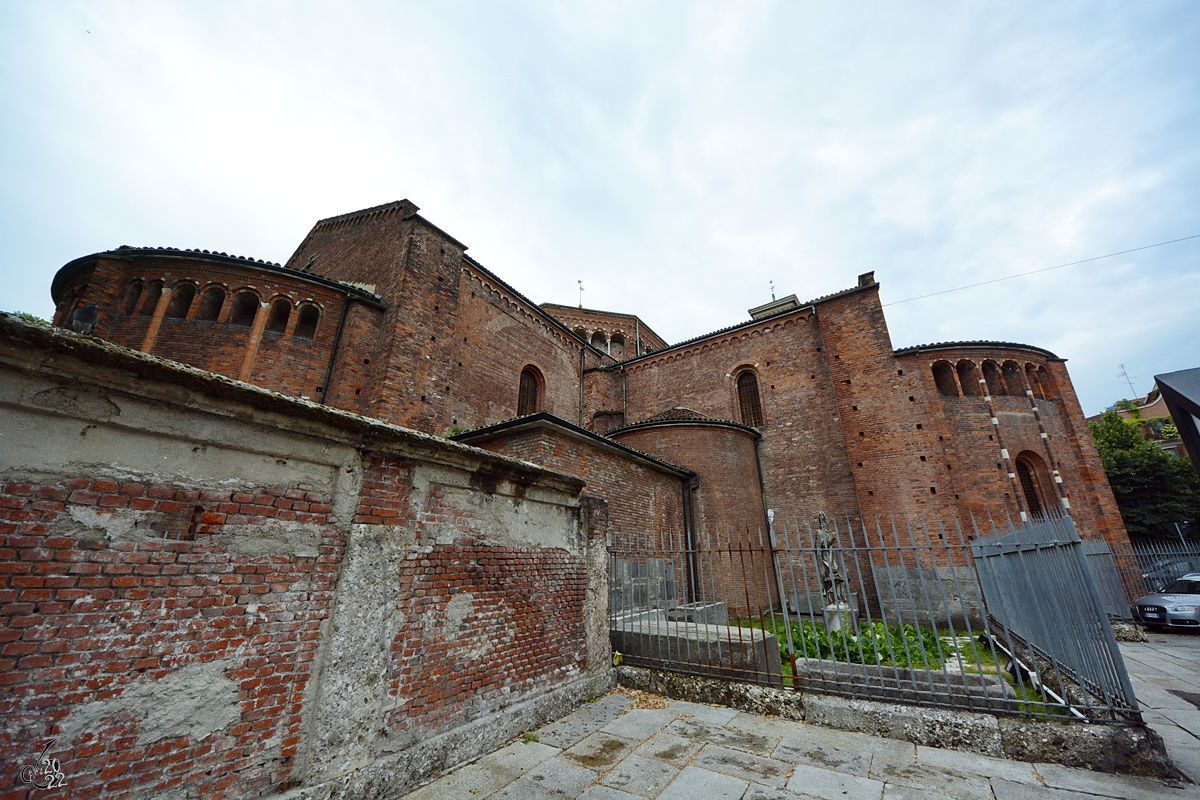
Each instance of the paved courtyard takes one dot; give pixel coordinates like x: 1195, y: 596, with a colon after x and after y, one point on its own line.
x: 615, y: 750
x: 1165, y: 673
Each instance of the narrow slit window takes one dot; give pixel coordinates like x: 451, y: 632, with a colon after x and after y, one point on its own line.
x: 748, y: 400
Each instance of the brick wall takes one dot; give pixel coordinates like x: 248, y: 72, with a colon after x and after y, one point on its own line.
x: 211, y: 590
x: 86, y: 619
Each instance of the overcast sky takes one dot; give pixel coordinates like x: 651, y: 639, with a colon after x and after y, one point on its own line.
x: 675, y: 156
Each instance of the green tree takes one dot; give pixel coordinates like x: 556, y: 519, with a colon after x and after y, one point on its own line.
x: 1153, y: 488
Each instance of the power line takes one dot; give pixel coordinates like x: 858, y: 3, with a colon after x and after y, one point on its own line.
x: 1043, y: 269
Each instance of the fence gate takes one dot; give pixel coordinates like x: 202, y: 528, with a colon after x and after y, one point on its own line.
x: 1043, y: 594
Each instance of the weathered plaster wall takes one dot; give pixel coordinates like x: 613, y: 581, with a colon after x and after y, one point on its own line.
x: 210, y: 590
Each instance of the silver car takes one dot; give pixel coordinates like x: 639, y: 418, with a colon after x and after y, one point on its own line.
x: 1176, y: 606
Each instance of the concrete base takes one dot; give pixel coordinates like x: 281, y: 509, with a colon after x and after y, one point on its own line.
x: 971, y: 691
x: 1125, y: 748
x: 718, y: 650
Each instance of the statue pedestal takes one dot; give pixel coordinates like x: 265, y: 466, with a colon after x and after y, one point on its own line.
x: 835, y: 614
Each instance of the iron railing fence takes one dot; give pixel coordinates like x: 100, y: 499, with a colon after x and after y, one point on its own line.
x: 886, y: 609
x: 1161, y: 561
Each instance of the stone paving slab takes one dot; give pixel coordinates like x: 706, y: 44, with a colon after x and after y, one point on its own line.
x: 916, y: 778
x: 766, y: 771
x: 1057, y: 776
x: 726, y: 737
x: 488, y: 774
x: 607, y: 793
x: 525, y: 789
x: 670, y: 748
x: 694, y: 783
x: 851, y: 761
x: 641, y: 723
x: 1188, y: 719
x: 1009, y: 790
x: 585, y: 720
x: 562, y: 775
x: 717, y: 715
x: 600, y: 752
x: 759, y: 792
x: 642, y: 776
x: 829, y: 785
x: 988, y: 767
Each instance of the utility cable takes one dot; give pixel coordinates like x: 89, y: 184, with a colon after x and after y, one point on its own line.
x: 1043, y: 269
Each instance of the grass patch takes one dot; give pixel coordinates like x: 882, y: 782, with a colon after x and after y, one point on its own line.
x: 875, y: 644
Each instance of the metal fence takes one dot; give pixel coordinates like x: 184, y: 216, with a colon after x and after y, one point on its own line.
x: 888, y: 609
x: 1161, y: 561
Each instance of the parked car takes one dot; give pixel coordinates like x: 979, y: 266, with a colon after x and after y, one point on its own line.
x: 1177, y: 605
x: 1169, y: 570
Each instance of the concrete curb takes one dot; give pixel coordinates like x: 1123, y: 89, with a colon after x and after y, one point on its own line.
x: 1123, y: 748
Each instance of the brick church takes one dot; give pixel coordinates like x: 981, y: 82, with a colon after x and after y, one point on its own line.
x: 803, y: 407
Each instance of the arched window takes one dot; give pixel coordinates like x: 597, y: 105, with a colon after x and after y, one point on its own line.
x: 131, y: 297
x: 150, y: 301
x: 529, y: 395
x: 968, y: 378
x: 995, y: 384
x: 600, y: 341
x: 581, y: 333
x: 748, y: 401
x: 245, y: 308
x: 1032, y: 376
x: 1014, y: 379
x: 181, y: 300
x: 281, y: 309
x: 1029, y: 466
x: 211, y: 302
x: 1049, y: 387
x: 943, y: 376
x: 306, y: 326
x: 617, y: 346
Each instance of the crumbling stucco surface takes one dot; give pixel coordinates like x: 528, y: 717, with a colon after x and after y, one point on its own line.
x: 193, y: 701
x: 392, y: 775
x: 1125, y: 748
x: 352, y: 696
